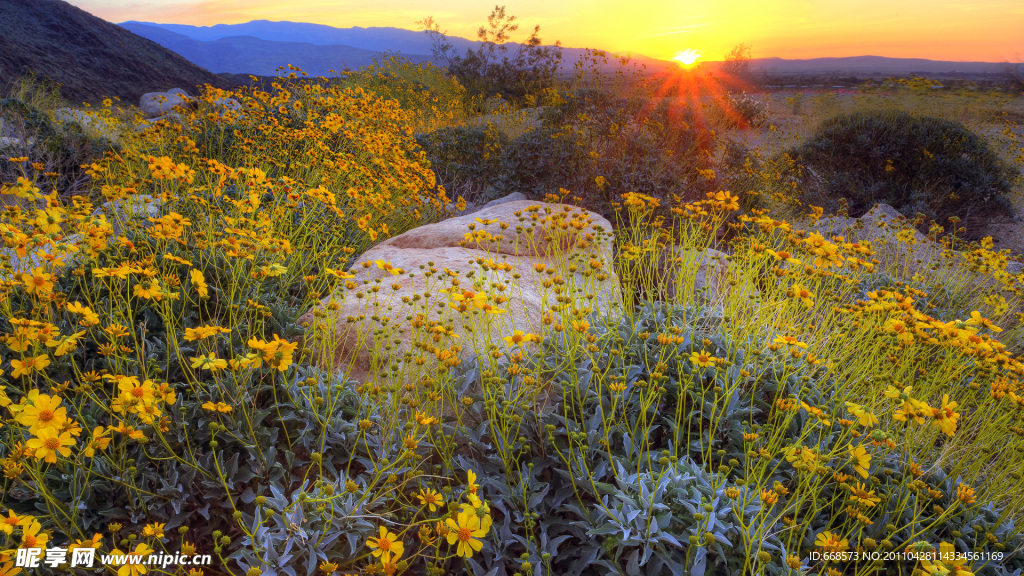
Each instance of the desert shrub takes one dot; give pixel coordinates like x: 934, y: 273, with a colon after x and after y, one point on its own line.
x: 58, y: 149
x: 168, y: 306
x: 599, y: 147
x: 914, y: 163
x: 745, y: 110
x: 521, y: 74
x: 467, y: 161
x: 435, y: 97
x: 590, y: 144
x: 156, y: 393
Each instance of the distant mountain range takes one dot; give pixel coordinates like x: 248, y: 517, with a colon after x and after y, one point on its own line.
x: 248, y: 54
x: 260, y: 46
x: 872, y: 65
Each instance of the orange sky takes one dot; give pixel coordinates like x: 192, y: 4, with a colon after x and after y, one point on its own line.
x: 984, y: 30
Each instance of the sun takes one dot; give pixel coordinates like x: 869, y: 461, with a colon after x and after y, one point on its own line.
x: 687, y: 57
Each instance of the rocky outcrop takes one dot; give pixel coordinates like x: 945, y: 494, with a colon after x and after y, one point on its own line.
x: 155, y: 104
x: 456, y: 280
x: 137, y: 208
x: 92, y: 123
x: 897, y: 244
x: 703, y: 273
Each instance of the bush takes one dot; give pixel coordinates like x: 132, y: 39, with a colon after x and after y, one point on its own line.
x: 744, y: 110
x: 428, y: 92
x: 60, y: 149
x: 593, y: 145
x: 914, y: 163
x: 467, y: 161
x: 492, y: 70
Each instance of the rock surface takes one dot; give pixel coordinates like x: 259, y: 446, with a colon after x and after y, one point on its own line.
x: 347, y: 335
x: 898, y: 245
x: 703, y: 273
x: 155, y: 104
x: 91, y: 123
x: 137, y: 207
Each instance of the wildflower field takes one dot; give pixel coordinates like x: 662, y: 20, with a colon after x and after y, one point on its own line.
x: 831, y: 405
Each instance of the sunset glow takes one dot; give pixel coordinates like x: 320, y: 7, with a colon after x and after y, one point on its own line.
x: 687, y: 57
x: 959, y: 30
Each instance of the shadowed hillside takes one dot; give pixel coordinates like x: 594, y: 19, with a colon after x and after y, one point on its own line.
x: 89, y: 57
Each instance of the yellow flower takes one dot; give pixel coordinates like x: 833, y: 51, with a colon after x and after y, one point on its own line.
x: 28, y: 365
x: 209, y: 362
x: 466, y: 531
x: 965, y: 494
x: 43, y: 412
x: 861, y: 459
x: 274, y: 269
x: 471, y: 485
x: 134, y: 567
x: 945, y: 417
x: 31, y: 536
x: 99, y: 441
x: 861, y: 495
x: 148, y: 289
x: 8, y: 524
x: 121, y: 272
x: 702, y: 359
x: 830, y: 542
x: 431, y: 499
x: 95, y: 542
x: 49, y: 443
x: 89, y: 318
x: 154, y: 530
x: 202, y: 332
x: 388, y: 267
x: 66, y: 344
x: 864, y: 418
x: 218, y: 407
x: 803, y: 294
x: 39, y: 281
x: 946, y: 562
x: 386, y: 545
x: 978, y: 320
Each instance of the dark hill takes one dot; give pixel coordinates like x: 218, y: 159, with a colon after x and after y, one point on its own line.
x: 88, y: 57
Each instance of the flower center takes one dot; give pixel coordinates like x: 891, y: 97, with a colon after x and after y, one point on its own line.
x: 52, y: 443
x: 46, y: 415
x: 464, y: 535
x: 384, y: 544
x: 138, y: 392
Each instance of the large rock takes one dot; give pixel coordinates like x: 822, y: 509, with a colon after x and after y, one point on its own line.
x: 117, y: 213
x: 901, y: 250
x: 92, y: 123
x: 413, y: 323
x: 136, y: 207
x: 897, y: 244
x: 155, y: 104
x: 702, y: 273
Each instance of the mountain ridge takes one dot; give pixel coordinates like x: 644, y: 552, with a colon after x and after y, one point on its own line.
x: 417, y: 45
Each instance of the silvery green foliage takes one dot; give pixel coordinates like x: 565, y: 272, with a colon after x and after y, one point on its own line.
x: 628, y: 509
